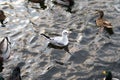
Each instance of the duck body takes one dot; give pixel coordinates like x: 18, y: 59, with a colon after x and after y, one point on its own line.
x: 4, y: 51
x: 5, y: 48
x: 110, y: 79
x: 2, y: 18
x: 103, y: 23
x: 1, y: 64
x: 65, y: 3
x: 41, y: 2
x: 15, y: 74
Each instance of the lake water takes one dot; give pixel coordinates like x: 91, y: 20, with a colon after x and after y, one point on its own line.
x: 91, y: 53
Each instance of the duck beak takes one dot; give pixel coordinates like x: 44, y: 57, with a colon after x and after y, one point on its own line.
x: 96, y: 12
x: 104, y: 72
x: 68, y: 31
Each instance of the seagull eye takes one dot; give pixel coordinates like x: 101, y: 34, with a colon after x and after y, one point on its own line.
x: 65, y: 33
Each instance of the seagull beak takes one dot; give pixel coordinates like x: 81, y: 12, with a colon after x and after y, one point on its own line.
x: 69, y: 32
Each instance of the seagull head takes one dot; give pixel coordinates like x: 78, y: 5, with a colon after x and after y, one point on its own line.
x: 65, y: 32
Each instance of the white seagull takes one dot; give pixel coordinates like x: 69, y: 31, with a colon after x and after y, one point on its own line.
x: 5, y: 48
x: 59, y: 42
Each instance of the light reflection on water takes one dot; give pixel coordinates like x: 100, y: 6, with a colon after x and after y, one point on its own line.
x: 90, y: 56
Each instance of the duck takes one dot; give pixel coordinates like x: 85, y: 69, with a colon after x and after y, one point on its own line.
x: 108, y: 75
x: 103, y: 23
x: 59, y: 42
x: 65, y: 3
x: 1, y: 78
x: 2, y: 18
x: 41, y: 2
x: 1, y: 64
x: 5, y: 48
x: 4, y: 51
x: 16, y: 74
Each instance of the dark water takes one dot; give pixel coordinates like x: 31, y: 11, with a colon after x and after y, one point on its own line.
x: 91, y: 53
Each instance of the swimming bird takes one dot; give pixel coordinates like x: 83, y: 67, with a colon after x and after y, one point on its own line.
x: 65, y: 3
x: 41, y: 2
x: 5, y: 48
x: 16, y: 74
x: 2, y: 18
x: 108, y: 75
x: 1, y: 64
x: 1, y: 78
x: 4, y: 51
x: 59, y: 42
x: 103, y: 23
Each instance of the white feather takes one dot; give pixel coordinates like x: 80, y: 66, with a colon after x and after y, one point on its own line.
x: 60, y: 40
x: 5, y: 49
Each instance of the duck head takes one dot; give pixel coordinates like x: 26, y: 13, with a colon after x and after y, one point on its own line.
x: 108, y: 75
x: 100, y: 12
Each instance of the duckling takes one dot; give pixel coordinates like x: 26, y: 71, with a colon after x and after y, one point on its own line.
x: 41, y: 2
x: 15, y: 74
x: 2, y: 18
x: 5, y: 48
x: 66, y: 3
x: 108, y: 75
x: 103, y: 23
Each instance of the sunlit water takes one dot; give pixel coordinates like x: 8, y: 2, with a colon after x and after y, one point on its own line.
x: 91, y: 53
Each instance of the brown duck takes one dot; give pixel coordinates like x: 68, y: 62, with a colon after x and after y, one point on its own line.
x: 41, y: 2
x: 103, y: 23
x: 2, y: 18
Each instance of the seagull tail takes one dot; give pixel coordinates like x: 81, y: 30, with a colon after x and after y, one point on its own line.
x: 67, y: 50
x: 45, y: 36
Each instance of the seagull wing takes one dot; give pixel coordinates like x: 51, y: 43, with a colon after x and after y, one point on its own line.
x: 57, y: 41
